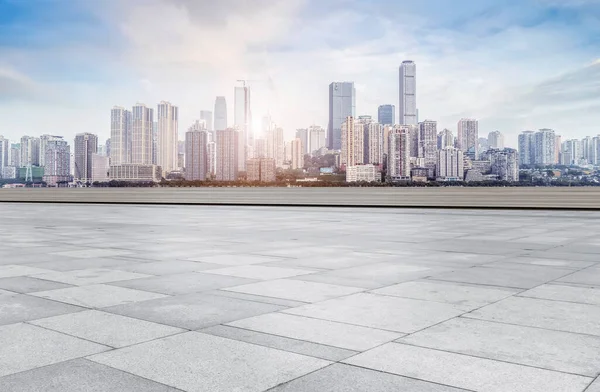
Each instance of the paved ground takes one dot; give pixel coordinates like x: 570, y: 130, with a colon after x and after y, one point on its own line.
x: 581, y: 198
x: 133, y: 298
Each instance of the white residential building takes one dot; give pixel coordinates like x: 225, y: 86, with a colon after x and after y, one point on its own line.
x: 368, y: 173
x: 450, y: 164
x: 167, y: 116
x: 408, y: 93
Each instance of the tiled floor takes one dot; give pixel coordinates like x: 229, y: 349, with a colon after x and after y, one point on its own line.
x: 159, y: 298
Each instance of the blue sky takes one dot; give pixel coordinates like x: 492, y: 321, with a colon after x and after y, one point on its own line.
x: 514, y: 65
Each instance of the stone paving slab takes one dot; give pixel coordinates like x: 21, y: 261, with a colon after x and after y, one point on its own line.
x: 27, y: 284
x: 97, y: 295
x: 22, y: 307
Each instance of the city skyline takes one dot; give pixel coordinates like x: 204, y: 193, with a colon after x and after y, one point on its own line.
x: 465, y: 57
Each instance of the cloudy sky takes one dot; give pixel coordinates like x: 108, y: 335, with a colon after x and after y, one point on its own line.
x: 513, y: 64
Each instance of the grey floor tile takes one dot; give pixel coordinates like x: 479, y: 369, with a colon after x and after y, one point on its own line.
x: 381, y: 312
x: 78, y: 375
x: 346, y: 378
x: 98, y: 295
x: 200, y: 362
x: 169, y: 267
x: 191, y: 282
x: 234, y: 259
x: 326, y: 332
x: 514, y: 343
x: 334, y: 261
x: 462, y: 371
x: 554, y: 315
x: 24, y: 347
x: 22, y: 307
x: 550, y: 262
x: 466, y: 296
x: 92, y: 253
x: 594, y: 387
x: 72, y: 264
x: 588, y: 276
x: 107, y: 328
x: 303, y: 347
x: 565, y: 292
x: 193, y: 311
x: 27, y: 284
x: 295, y: 290
x: 89, y: 276
x: 256, y: 298
x: 260, y: 272
x: 4, y: 292
x: 8, y: 271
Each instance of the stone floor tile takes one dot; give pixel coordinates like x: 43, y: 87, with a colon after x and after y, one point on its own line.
x: 72, y: 264
x: 326, y: 332
x: 92, y: 253
x: 98, y: 295
x: 199, y: 362
x: 27, y: 284
x: 234, y: 259
x: 24, y: 347
x: 565, y: 292
x: 295, y: 290
x: 462, y: 371
x: 171, y: 267
x: 193, y: 311
x: 89, y: 276
x: 178, y: 284
x: 260, y: 272
x: 9, y: 271
x: 106, y: 328
x: 554, y: 315
x: 513, y: 343
x: 345, y: 378
x: 588, y: 276
x: 381, y: 312
x: 22, y: 307
x: 78, y: 375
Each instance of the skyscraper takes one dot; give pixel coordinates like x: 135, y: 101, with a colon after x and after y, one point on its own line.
x: 342, y: 104
x: 527, y: 148
x: 227, y: 155
x: 505, y: 164
x: 386, y: 115
x: 398, y: 165
x: 468, y: 137
x: 44, y: 139
x: 57, y: 161
x: 374, y: 143
x: 86, y: 144
x: 276, y: 144
x: 196, y: 154
x: 545, y: 147
x: 450, y: 164
x: 15, y: 155
x: 120, y: 136
x: 496, y: 140
x: 408, y: 93
x: 142, y: 135
x: 297, y: 154
x: 4, y: 154
x: 220, y: 122
x: 243, y: 123
x: 207, y: 116
x: 303, y: 135
x: 428, y: 144
x: 445, y: 139
x: 30, y: 151
x: 316, y: 136
x: 167, y: 117
x: 353, y: 143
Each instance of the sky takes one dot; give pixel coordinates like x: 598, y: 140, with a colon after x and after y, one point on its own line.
x: 513, y: 64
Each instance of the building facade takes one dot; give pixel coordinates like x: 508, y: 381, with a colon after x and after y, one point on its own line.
x: 468, y: 137
x: 297, y: 152
x: 545, y: 147
x: 227, y: 155
x: 142, y: 135
x: 261, y: 169
x: 4, y: 154
x: 368, y: 173
x: 398, y: 165
x: 100, y: 168
x: 30, y: 151
x: 196, y: 155
x: 167, y: 118
x: 120, y: 135
x: 353, y: 143
x: 408, y: 93
x: 303, y: 135
x: 86, y: 144
x: 386, y: 114
x: 495, y: 140
x: 57, y: 159
x: 428, y: 145
x: 527, y: 148
x: 316, y: 137
x: 374, y: 143
x: 505, y: 164
x: 450, y: 164
x: 135, y: 173
x: 342, y: 104
x: 220, y: 119
x: 445, y: 139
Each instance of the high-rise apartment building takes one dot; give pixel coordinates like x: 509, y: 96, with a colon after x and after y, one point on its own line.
x: 297, y: 154
x: 4, y: 154
x: 505, y: 164
x: 220, y: 120
x: 120, y: 135
x: 342, y: 104
x: 445, y: 139
x: 15, y: 155
x: 57, y: 161
x: 142, y: 134
x: 413, y: 134
x: 303, y: 135
x: 495, y: 140
x: 386, y: 114
x: 450, y: 164
x: 196, y: 155
x: 30, y: 151
x: 572, y: 152
x: 527, y: 148
x: 557, y: 148
x: 260, y: 148
x: 316, y: 136
x: 101, y: 168
x: 544, y: 147
x: 167, y: 116
x: 86, y: 144
x: 408, y: 93
x: 398, y: 165
x: 428, y: 145
x: 107, y: 147
x: 227, y: 155
x: 276, y: 144
x: 261, y: 169
x: 468, y: 137
x: 373, y: 143
x: 353, y: 143
x: 44, y: 139
x: 243, y: 123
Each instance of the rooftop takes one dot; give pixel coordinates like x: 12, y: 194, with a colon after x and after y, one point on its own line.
x: 217, y: 298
